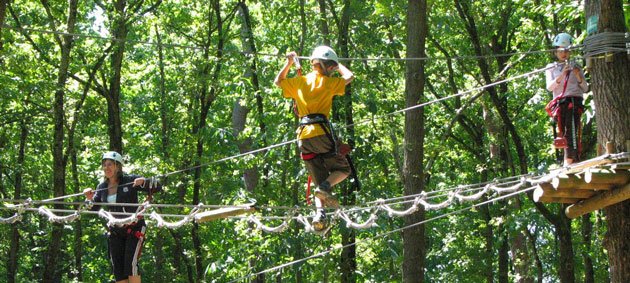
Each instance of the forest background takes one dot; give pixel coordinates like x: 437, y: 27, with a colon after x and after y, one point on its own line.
x: 177, y: 86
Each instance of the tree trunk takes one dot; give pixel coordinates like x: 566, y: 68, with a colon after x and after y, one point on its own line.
x: 119, y: 32
x: 165, y: 133
x: 240, y: 110
x: 504, y: 259
x: 206, y: 98
x: 179, y: 259
x: 539, y: 267
x: 587, y: 232
x: 14, y: 248
x: 348, y: 236
x: 323, y: 23
x: 52, y: 262
x: 566, y: 269
x: 78, y: 228
x: 3, y: 9
x: 488, y: 235
x: 610, y: 83
x: 413, y: 237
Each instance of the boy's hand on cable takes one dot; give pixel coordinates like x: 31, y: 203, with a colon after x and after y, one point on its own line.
x: 291, y: 57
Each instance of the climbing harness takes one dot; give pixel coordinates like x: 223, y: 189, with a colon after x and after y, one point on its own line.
x: 553, y: 109
x: 338, y: 147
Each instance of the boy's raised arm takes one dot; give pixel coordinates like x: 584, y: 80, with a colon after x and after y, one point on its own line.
x: 345, y: 73
x: 282, y: 75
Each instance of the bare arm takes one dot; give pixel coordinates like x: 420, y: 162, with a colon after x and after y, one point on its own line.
x: 345, y: 73
x: 282, y: 75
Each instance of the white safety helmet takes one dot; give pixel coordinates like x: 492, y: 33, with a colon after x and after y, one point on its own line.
x: 324, y: 53
x: 112, y: 155
x: 563, y: 40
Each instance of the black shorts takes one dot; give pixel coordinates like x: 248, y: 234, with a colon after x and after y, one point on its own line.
x: 125, y: 248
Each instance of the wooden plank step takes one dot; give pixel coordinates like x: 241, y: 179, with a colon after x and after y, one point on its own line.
x: 223, y: 213
x: 564, y: 193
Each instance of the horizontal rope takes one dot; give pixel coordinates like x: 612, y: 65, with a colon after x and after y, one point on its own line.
x: 416, y: 203
x: 245, y: 53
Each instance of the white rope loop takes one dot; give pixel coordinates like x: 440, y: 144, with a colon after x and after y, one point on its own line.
x: 429, y: 206
x: 17, y: 216
x: 119, y: 222
x: 52, y: 217
x: 278, y: 229
x: 472, y: 197
x: 399, y: 213
x: 371, y: 222
x: 509, y: 189
x: 307, y: 225
x: 174, y: 225
x: 12, y: 219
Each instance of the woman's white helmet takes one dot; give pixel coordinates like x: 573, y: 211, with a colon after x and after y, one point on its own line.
x: 112, y: 155
x: 324, y: 53
x: 562, y: 40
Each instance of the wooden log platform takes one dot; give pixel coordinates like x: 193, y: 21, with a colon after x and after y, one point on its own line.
x: 598, y: 202
x: 589, y: 186
x: 224, y: 212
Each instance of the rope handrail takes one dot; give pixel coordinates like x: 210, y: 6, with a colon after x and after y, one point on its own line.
x: 379, y: 205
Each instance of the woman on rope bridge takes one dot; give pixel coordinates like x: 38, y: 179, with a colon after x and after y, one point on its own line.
x: 313, y: 95
x: 125, y: 242
x: 566, y: 80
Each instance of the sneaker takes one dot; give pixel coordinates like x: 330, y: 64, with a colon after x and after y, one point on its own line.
x: 328, y: 200
x: 319, y: 221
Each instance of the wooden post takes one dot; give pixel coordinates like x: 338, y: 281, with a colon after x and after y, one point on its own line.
x: 610, y: 148
x: 600, y: 149
x: 598, y: 202
x: 627, y: 145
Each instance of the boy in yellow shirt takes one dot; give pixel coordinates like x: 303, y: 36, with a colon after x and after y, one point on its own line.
x: 313, y: 95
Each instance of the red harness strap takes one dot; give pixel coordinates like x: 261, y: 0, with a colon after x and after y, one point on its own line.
x: 308, y: 156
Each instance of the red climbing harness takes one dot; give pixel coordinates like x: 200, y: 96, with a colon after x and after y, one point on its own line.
x: 553, y: 110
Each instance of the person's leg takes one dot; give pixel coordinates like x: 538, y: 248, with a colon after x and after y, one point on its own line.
x: 572, y: 119
x: 133, y: 250
x: 566, y: 115
x: 339, y: 170
x: 318, y: 171
x: 116, y: 246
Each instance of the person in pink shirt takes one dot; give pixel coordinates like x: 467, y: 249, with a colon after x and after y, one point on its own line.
x: 565, y: 79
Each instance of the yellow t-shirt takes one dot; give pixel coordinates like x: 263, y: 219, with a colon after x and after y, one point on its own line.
x: 313, y: 94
